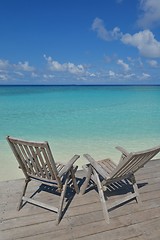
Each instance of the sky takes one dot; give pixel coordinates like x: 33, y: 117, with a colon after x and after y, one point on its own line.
x: 79, y: 42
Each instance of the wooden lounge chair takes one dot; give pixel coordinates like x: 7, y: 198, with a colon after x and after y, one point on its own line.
x: 107, y: 175
x: 37, y: 163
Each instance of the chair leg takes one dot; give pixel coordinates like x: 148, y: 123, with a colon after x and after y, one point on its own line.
x: 88, y: 177
x: 23, y: 193
x: 62, y: 198
x: 135, y: 187
x: 74, y: 180
x: 101, y: 195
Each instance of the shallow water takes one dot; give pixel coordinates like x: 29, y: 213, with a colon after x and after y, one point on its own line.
x: 78, y: 119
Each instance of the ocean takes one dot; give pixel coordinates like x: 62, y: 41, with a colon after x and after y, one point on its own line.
x: 78, y: 120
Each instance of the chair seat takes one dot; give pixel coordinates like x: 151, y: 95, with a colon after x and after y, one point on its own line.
x: 107, y: 164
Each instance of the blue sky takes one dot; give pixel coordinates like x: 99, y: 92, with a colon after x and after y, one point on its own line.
x: 79, y: 41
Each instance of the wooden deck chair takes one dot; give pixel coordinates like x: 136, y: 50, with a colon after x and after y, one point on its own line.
x: 37, y: 163
x: 106, y: 174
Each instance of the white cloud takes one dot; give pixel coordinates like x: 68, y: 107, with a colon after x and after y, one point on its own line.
x: 54, y: 65
x: 72, y: 68
x: 68, y: 67
x: 3, y: 76
x: 111, y: 73
x: 144, y: 76
x: 124, y: 75
x: 34, y: 75
x: 123, y: 64
x: 134, y: 62
x: 140, y: 62
x: 24, y: 66
x: 92, y: 74
x: 145, y: 42
x: 48, y: 76
x: 153, y: 63
x: 19, y: 74
x: 129, y: 75
x: 4, y: 64
x: 20, y: 66
x: 103, y: 33
x: 150, y: 13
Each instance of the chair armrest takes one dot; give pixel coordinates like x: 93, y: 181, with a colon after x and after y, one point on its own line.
x: 124, y: 152
x: 95, y: 165
x: 68, y: 166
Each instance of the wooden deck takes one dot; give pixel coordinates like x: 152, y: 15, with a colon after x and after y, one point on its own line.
x: 83, y: 218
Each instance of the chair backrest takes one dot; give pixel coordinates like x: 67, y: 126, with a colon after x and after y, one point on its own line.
x: 35, y: 159
x: 133, y: 162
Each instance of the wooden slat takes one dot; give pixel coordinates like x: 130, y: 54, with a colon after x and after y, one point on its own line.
x: 107, y: 165
x: 36, y: 172
x: 43, y: 163
x: 36, y: 160
x: 24, y: 158
x: 52, y: 176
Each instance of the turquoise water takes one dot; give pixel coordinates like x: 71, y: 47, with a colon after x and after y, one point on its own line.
x: 78, y: 119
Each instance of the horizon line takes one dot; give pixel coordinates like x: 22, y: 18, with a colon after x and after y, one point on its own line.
x: 78, y: 85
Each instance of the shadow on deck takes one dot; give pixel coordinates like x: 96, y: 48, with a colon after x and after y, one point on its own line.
x: 83, y: 218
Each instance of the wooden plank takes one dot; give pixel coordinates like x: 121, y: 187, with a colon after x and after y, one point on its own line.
x: 35, y: 229
x: 84, y: 218
x: 38, y: 203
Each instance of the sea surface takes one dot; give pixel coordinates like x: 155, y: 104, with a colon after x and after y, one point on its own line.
x: 78, y: 120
